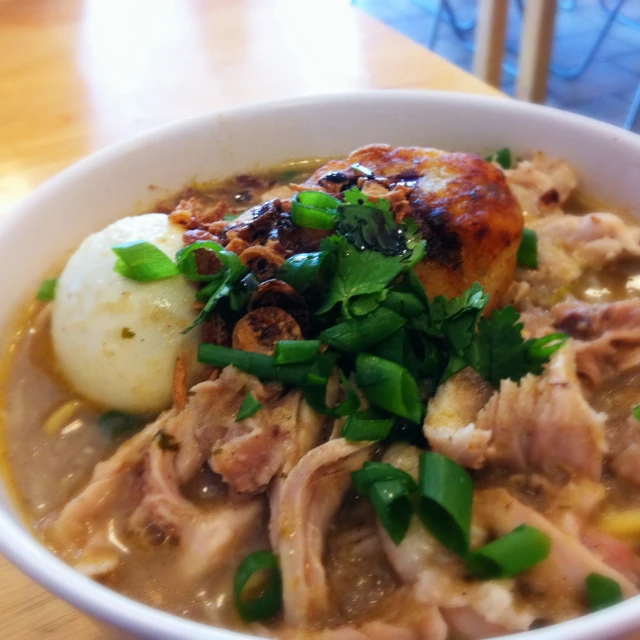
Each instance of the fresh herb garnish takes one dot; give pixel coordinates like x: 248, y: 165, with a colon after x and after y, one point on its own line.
x: 504, y: 157
x: 255, y: 598
x: 498, y: 351
x: 446, y: 500
x: 509, y: 555
x: 391, y: 493
x: 357, y: 273
x: 528, y: 250
x: 47, y: 291
x: 314, y: 209
x: 601, y: 592
x: 143, y: 261
x: 249, y: 407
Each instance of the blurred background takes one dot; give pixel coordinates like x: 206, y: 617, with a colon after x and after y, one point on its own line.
x: 595, y: 61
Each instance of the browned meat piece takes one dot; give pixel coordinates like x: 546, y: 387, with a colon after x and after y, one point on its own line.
x: 308, y: 501
x: 542, y: 185
x: 608, y: 337
x: 465, y: 210
x: 545, y: 423
x: 253, y: 451
x: 80, y: 525
x: 145, y: 474
x: 207, y: 537
x: 256, y: 224
x: 451, y: 413
x: 558, y: 581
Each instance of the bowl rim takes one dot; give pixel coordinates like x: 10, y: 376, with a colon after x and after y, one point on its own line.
x: 19, y: 545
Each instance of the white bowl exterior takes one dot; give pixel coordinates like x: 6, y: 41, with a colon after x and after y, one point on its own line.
x: 115, y: 182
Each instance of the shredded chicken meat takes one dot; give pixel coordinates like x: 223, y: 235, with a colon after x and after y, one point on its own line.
x: 551, y: 450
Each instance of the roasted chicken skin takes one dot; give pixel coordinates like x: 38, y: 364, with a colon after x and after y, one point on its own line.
x: 463, y: 205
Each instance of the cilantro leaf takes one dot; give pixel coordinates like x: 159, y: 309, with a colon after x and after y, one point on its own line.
x: 357, y: 273
x: 454, y: 319
x: 371, y: 225
x: 356, y: 197
x: 498, y: 351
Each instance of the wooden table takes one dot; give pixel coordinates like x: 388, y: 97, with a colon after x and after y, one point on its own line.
x: 77, y: 75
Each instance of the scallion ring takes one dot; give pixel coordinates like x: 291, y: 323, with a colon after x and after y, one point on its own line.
x: 373, y: 472
x: 446, y: 501
x: 509, y: 555
x: 249, y: 407
x: 295, y: 351
x: 528, y: 250
x: 601, y: 592
x: 47, y: 291
x: 314, y: 209
x: 359, y: 427
x: 257, y: 586
x: 358, y: 334
x: 393, y: 506
x: 143, y: 261
x: 389, y: 386
x: 260, y: 365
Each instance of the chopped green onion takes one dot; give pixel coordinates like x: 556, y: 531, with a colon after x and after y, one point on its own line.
x: 360, y: 427
x: 393, y: 506
x: 316, y: 399
x: 304, y: 270
x: 47, y: 291
x: 258, y: 601
x: 358, y: 334
x: 405, y: 304
x: 373, y: 472
x: 115, y: 423
x: 186, y: 259
x: 259, y: 365
x: 242, y: 291
x: 541, y: 349
x: 216, y: 290
x: 398, y: 348
x: 602, y: 592
x: 503, y: 157
x: 294, y: 351
x: 636, y: 413
x: 249, y: 407
x: 528, y: 250
x: 510, y: 555
x: 446, y: 501
x: 143, y: 261
x: 221, y: 278
x: 389, y: 386
x: 314, y: 209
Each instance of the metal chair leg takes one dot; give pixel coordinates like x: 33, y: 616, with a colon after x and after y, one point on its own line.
x: 633, y: 111
x: 435, y: 23
x: 573, y: 72
x: 630, y: 22
x: 444, y: 11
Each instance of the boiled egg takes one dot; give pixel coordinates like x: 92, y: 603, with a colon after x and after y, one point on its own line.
x: 117, y: 340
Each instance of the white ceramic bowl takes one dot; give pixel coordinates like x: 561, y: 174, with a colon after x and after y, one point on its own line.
x: 115, y: 182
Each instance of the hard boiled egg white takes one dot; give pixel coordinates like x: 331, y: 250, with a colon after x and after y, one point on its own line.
x: 117, y: 340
